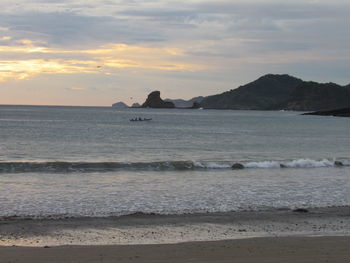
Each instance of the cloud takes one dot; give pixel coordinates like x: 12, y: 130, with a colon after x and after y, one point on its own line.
x: 24, y: 69
x: 210, y: 34
x: 102, y: 60
x: 5, y: 38
x: 93, y: 23
x: 230, y: 41
x: 69, y: 29
x: 76, y: 89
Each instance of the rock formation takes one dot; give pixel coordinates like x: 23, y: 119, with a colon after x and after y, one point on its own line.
x: 237, y: 166
x: 154, y: 101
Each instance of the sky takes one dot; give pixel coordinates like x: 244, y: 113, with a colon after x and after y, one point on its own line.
x: 98, y: 52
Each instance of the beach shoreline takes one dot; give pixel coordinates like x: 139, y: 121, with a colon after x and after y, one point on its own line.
x: 273, y: 235
x: 139, y: 228
x: 251, y: 250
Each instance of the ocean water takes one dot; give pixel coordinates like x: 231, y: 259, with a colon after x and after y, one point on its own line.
x: 92, y: 161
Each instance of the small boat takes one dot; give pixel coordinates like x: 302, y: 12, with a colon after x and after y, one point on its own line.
x: 140, y: 119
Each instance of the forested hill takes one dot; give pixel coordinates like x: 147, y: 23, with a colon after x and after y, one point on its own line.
x: 281, y: 92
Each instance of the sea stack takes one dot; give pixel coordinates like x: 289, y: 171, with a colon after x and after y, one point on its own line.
x: 154, y: 101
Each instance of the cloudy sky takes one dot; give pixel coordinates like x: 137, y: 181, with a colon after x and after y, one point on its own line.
x: 97, y: 52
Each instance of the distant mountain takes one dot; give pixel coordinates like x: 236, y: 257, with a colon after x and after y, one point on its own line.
x: 154, y: 101
x: 120, y: 105
x: 179, y: 103
x: 276, y: 92
x: 261, y: 94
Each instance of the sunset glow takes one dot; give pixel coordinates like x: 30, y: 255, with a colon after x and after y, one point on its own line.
x: 117, y: 50
x: 96, y: 61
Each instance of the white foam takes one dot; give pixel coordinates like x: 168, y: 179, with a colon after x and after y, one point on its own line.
x: 212, y: 165
x: 346, y: 163
x: 308, y: 163
x: 299, y: 163
x: 264, y: 164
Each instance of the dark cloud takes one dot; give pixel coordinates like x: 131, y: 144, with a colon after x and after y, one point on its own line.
x: 206, y: 30
x: 290, y: 10
x: 133, y: 22
x: 276, y: 25
x: 76, y: 30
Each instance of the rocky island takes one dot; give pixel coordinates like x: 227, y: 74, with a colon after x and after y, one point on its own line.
x: 155, y: 101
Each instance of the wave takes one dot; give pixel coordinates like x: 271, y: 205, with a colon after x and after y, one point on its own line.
x: 66, y: 167
x: 300, y: 163
x: 85, y: 167
x: 329, y: 209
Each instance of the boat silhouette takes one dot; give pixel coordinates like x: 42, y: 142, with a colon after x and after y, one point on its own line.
x: 141, y: 119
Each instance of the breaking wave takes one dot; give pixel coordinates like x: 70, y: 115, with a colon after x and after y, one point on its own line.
x: 300, y: 163
x: 85, y: 167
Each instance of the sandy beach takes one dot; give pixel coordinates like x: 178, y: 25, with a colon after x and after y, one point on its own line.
x: 315, y: 235
x: 142, y: 228
x: 284, y: 249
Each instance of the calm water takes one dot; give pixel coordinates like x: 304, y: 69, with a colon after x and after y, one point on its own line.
x: 86, y: 161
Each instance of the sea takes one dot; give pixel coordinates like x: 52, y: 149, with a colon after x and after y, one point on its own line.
x: 94, y: 162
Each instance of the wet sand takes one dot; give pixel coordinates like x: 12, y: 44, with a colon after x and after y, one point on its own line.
x: 316, y: 235
x: 161, y: 229
x: 283, y: 249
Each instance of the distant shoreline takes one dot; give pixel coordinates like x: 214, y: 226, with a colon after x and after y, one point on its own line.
x: 345, y: 112
x: 302, y: 112
x: 114, y: 108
